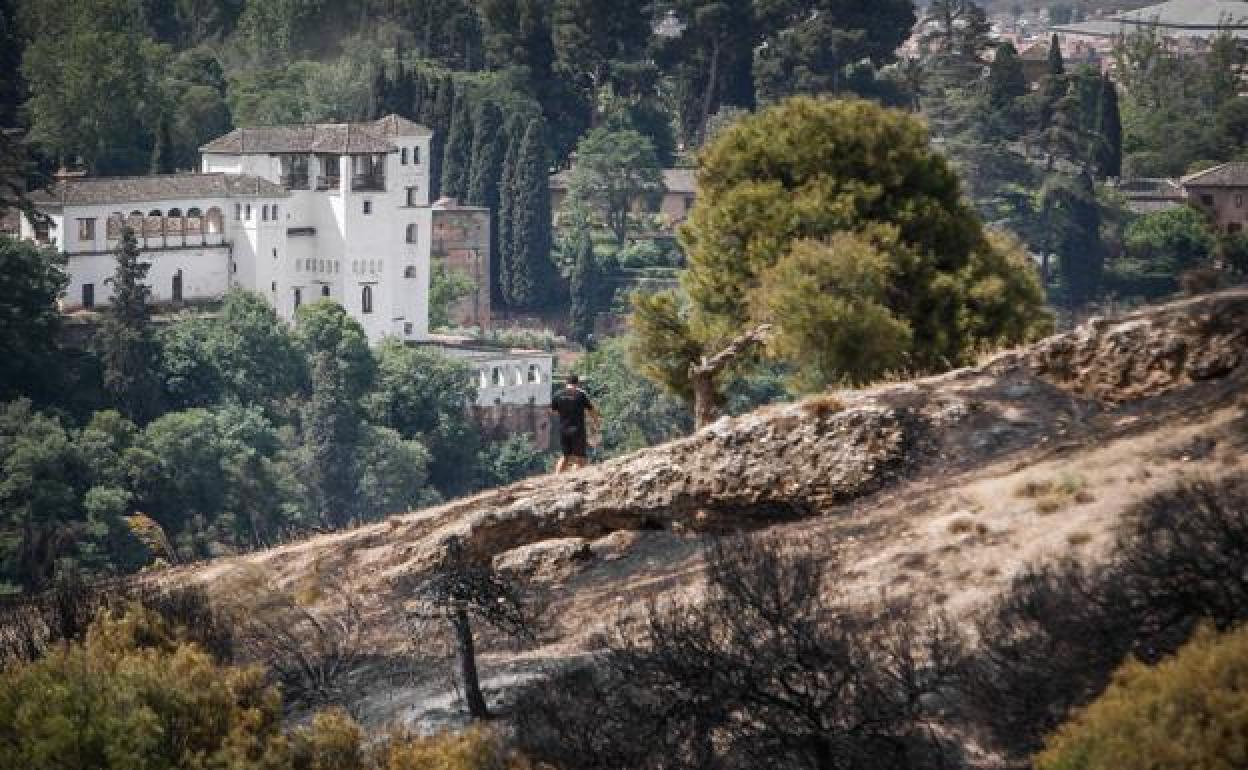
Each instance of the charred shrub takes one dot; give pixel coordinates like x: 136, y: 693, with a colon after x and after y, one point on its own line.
x: 1051, y: 643
x: 768, y: 672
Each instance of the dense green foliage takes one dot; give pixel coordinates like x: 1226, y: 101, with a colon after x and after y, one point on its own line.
x: 126, y: 341
x: 614, y: 170
x: 1189, y: 711
x: 31, y: 281
x: 135, y: 692
x: 816, y: 213
x: 528, y: 271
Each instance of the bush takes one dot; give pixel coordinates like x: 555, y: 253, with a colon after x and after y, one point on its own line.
x: 1187, y: 712
x: 766, y: 673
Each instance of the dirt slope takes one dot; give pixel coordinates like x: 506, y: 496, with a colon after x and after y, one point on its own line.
x: 943, y: 487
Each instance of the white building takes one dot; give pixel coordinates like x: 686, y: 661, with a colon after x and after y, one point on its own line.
x: 295, y: 213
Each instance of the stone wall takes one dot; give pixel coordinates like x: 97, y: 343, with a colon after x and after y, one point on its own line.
x: 461, y: 241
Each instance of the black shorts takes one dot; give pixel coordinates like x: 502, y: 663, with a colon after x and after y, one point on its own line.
x: 573, y: 442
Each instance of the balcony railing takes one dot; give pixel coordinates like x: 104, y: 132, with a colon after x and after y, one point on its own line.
x: 368, y: 182
x: 295, y: 181
x: 328, y: 182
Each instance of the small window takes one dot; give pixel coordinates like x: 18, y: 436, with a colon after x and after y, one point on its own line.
x: 177, y: 286
x: 274, y: 253
x: 535, y: 374
x: 409, y: 271
x: 366, y: 299
x: 1234, y: 227
x: 233, y: 267
x: 411, y: 196
x: 1207, y: 200
x: 264, y: 213
x: 496, y: 377
x: 273, y: 287
x: 415, y: 155
x: 368, y: 207
x: 238, y: 212
x: 298, y: 297
x: 324, y: 291
x: 86, y: 229
x: 247, y: 212
x: 273, y: 212
x: 413, y: 234
x: 1239, y: 200
x: 403, y: 156
x: 88, y: 295
x: 407, y: 329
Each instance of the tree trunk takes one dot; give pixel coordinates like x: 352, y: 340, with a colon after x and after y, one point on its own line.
x: 466, y: 650
x: 712, y: 82
x: 703, y: 373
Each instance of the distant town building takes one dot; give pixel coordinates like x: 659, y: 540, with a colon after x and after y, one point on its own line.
x: 680, y: 191
x: 1146, y: 195
x: 1188, y: 23
x: 1220, y: 191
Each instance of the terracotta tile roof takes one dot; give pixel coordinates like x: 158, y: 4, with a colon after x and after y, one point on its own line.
x: 334, y: 138
x: 91, y: 190
x: 1225, y: 175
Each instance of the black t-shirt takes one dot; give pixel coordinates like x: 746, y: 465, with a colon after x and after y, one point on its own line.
x: 571, y: 404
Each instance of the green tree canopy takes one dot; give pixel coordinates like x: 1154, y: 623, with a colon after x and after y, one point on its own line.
x: 125, y: 340
x: 1189, y: 711
x: 615, y: 171
x: 32, y: 279
x: 814, y: 214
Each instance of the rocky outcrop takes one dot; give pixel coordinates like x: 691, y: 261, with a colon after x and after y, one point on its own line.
x: 1150, y: 352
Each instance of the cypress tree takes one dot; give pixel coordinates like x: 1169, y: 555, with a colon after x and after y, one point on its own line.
x: 379, y: 93
x: 331, y: 434
x: 1057, y: 67
x: 125, y: 342
x: 457, y: 158
x: 506, y: 207
x: 489, y: 148
x: 162, y: 151
x: 440, y: 111
x: 585, y: 287
x: 1111, y: 129
x: 529, y: 269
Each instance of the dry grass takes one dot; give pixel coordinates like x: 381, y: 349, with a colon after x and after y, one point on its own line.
x: 1057, y: 493
x: 823, y: 406
x: 1076, y: 539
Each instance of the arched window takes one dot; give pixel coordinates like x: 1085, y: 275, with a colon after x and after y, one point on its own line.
x: 215, y: 221
x: 154, y: 224
x: 366, y: 299
x: 412, y: 233
x: 535, y: 374
x: 496, y: 377
x: 517, y: 376
x: 177, y: 286
x: 409, y: 271
x: 116, y: 221
x: 483, y: 379
x: 135, y: 222
x: 194, y: 221
x: 173, y: 222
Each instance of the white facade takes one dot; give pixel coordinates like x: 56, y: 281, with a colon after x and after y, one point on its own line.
x: 294, y: 213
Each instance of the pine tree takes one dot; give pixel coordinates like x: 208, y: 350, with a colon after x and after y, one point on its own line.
x: 502, y: 256
x: 528, y: 272
x: 585, y: 287
x: 457, y: 158
x: 125, y: 342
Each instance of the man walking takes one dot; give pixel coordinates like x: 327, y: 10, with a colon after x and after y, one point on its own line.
x: 571, y: 404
